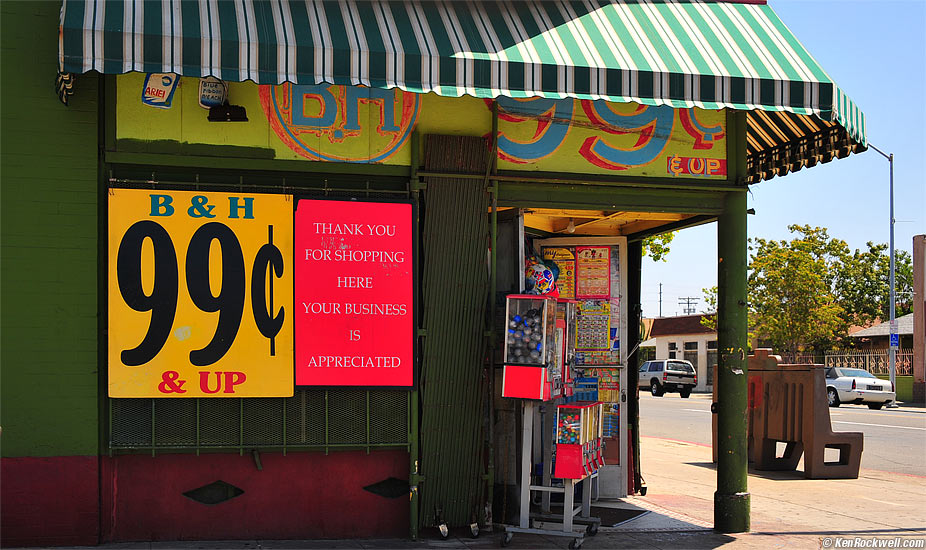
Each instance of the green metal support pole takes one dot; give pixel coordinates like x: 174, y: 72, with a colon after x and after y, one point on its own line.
x: 634, y: 282
x: 731, y: 501
x: 413, y: 477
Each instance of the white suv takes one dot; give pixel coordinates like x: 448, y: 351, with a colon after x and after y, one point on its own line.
x: 668, y: 375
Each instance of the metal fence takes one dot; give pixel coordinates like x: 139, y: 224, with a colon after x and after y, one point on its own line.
x: 801, y: 358
x: 874, y: 361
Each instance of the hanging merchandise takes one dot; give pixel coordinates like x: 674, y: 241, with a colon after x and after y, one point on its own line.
x: 212, y: 92
x: 539, y: 278
x: 158, y: 90
x: 565, y: 261
x: 593, y: 330
x: 609, y: 384
x: 615, y: 304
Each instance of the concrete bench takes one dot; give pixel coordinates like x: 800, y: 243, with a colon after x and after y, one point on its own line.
x: 787, y: 404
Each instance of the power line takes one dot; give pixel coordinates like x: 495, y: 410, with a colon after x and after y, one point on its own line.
x: 660, y: 299
x: 689, y: 304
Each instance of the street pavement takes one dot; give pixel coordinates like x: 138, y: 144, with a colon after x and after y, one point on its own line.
x: 895, y: 439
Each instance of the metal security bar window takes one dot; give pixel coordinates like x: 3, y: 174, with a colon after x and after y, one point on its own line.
x: 691, y: 354
x: 312, y: 419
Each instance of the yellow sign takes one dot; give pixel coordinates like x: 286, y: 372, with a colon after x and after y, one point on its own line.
x: 200, y: 294
x: 353, y: 124
x: 571, y: 135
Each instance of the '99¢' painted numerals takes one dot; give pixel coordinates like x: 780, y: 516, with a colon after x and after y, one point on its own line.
x: 229, y: 302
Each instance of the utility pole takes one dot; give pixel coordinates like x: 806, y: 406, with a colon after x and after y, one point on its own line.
x: 895, y: 339
x: 689, y: 304
x: 660, y: 299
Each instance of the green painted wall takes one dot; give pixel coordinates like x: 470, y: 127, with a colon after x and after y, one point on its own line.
x: 48, y: 241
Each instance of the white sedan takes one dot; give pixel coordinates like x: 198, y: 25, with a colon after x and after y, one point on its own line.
x: 845, y: 385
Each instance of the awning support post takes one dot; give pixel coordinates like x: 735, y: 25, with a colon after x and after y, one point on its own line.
x: 414, y: 478
x: 731, y: 501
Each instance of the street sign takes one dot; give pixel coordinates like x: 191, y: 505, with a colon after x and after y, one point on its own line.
x: 895, y: 340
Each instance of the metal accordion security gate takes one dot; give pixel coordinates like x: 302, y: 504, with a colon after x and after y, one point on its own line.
x: 454, y: 286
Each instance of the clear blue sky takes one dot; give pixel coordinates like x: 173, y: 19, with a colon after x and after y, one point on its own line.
x: 875, y: 51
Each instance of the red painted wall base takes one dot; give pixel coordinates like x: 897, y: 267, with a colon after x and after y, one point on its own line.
x: 49, y: 501
x: 56, y: 501
x: 297, y: 496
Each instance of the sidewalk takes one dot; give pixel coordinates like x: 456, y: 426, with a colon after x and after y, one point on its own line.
x: 788, y: 511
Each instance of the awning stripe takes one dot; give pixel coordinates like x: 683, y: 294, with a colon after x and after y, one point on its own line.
x: 682, y: 53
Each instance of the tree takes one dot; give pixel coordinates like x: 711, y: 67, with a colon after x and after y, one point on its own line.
x: 657, y: 246
x: 903, y: 285
x: 792, y: 304
x: 709, y: 318
x: 859, y: 286
x: 862, y: 284
x: 805, y: 293
x: 710, y: 304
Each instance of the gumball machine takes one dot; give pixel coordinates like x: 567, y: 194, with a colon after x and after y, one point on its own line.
x: 578, y: 440
x: 531, y: 367
x: 566, y: 341
x: 593, y: 447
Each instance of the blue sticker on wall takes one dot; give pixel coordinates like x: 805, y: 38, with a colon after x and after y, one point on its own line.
x: 159, y: 89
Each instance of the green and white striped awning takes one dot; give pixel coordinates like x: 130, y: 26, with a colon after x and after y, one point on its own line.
x: 715, y: 55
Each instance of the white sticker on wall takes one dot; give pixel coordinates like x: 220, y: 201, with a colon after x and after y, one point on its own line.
x: 212, y: 92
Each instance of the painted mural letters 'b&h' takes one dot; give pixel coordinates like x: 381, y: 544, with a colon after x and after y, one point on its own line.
x: 356, y: 124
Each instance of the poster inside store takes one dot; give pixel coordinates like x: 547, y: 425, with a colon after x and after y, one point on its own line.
x: 591, y: 275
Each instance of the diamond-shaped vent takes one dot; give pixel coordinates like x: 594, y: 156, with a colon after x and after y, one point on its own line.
x: 390, y: 488
x: 214, y: 493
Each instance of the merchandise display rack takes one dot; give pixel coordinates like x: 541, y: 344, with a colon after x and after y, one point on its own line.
x: 572, y: 515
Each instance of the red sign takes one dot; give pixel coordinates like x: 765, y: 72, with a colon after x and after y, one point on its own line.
x: 353, y: 294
